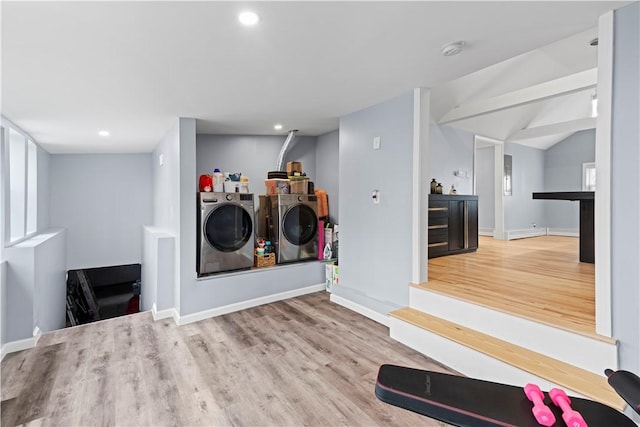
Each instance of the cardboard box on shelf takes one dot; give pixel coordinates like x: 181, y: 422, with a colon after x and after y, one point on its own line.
x: 293, y: 167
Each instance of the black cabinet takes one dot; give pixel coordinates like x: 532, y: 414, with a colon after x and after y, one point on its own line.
x: 453, y: 224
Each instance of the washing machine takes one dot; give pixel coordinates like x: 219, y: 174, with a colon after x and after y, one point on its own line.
x: 226, y: 232
x: 294, y: 227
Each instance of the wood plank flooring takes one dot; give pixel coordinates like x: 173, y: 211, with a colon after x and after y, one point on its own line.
x: 539, y: 278
x: 303, y: 361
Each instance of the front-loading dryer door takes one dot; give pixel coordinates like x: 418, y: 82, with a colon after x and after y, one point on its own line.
x: 228, y: 228
x: 300, y: 225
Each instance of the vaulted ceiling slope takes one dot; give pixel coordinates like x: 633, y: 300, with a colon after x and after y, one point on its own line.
x: 70, y: 69
x: 565, y: 61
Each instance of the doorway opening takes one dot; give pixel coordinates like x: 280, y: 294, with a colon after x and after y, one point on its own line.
x: 102, y: 293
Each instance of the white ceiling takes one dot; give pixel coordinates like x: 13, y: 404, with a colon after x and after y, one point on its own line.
x: 70, y: 69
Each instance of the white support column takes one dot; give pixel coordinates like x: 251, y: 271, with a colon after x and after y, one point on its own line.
x: 602, y: 210
x: 498, y: 228
x: 419, y: 241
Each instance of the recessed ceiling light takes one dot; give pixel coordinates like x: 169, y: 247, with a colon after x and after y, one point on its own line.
x: 248, y: 18
x: 451, y: 49
x: 277, y: 126
x: 104, y: 133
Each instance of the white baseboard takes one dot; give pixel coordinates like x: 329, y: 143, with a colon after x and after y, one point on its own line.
x: 218, y: 311
x: 532, y: 232
x: 568, y: 232
x: 25, y: 344
x: 525, y: 232
x: 485, y: 232
x: 360, y: 309
x: 164, y: 314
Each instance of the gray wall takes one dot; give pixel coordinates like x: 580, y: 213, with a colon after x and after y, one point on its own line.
x: 563, y: 172
x: 253, y: 155
x: 37, y: 285
x: 158, y: 269
x: 520, y: 210
x: 3, y: 303
x: 485, y: 176
x: 3, y: 263
x: 625, y: 186
x: 450, y: 149
x: 103, y: 201
x: 50, y: 284
x: 327, y: 170
x: 375, y: 249
x: 166, y: 208
x: 190, y: 297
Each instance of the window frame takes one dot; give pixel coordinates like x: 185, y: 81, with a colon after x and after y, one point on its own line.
x: 29, y: 198
x: 586, y: 167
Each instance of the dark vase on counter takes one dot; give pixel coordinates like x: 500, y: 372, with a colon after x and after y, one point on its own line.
x: 434, y: 184
x: 439, y: 188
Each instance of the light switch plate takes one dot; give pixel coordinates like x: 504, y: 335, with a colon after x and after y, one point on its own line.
x: 376, y: 143
x: 375, y: 194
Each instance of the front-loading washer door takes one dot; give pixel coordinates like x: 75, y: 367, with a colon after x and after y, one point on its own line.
x: 300, y: 225
x: 228, y: 228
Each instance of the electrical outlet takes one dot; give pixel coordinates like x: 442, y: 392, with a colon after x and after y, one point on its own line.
x: 376, y: 143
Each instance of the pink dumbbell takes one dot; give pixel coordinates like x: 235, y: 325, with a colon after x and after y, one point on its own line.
x: 543, y: 414
x: 571, y: 418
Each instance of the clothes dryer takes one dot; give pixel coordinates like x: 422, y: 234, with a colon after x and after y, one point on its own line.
x: 295, y: 227
x: 226, y: 232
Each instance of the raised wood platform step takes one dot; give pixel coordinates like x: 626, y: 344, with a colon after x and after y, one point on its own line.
x: 596, y: 353
x: 545, y: 308
x: 483, y: 356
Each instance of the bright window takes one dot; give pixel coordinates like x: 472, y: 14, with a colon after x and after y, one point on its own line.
x: 17, y: 185
x: 588, y: 177
x: 32, y: 187
x: 22, y: 188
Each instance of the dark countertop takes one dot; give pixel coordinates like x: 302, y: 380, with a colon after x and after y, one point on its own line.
x: 565, y: 195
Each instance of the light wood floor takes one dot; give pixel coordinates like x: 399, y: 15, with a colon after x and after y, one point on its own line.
x: 539, y: 278
x: 304, y: 361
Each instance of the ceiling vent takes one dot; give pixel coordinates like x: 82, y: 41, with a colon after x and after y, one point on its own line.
x: 451, y: 49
